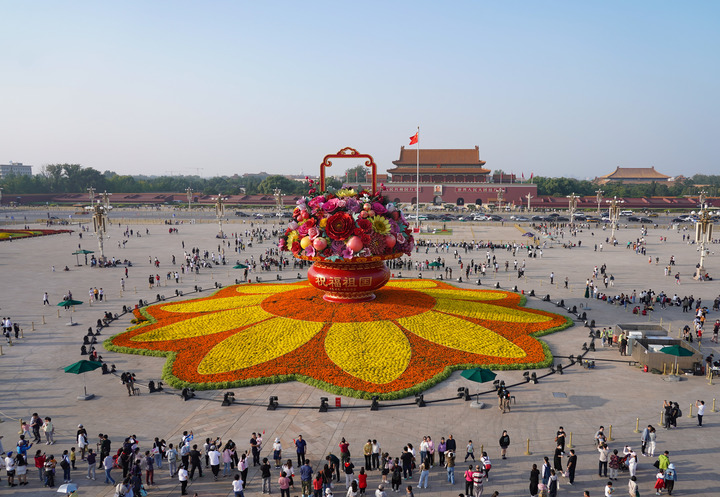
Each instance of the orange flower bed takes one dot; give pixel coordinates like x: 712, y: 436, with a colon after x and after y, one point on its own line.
x: 412, y: 336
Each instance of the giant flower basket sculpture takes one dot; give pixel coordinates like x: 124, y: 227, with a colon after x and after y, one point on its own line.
x: 348, y: 235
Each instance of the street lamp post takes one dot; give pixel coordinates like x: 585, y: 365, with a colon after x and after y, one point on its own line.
x: 703, y: 230
x: 278, y: 199
x: 599, y: 198
x: 91, y: 192
x: 106, y: 201
x: 572, y: 205
x: 220, y: 212
x: 500, y: 199
x: 528, y: 196
x: 100, y: 211
x: 614, y: 212
x: 189, y: 192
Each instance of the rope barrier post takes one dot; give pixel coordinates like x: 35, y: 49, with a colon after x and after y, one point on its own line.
x: 713, y: 407
x: 58, y: 313
x: 527, y: 451
x: 135, y: 288
x: 664, y: 367
x: 610, y: 438
x: 569, y: 444
x: 690, y: 414
x: 22, y: 333
x: 43, y: 319
x: 1, y: 352
x: 32, y: 324
x: 662, y: 415
x: 482, y: 449
x: 637, y: 425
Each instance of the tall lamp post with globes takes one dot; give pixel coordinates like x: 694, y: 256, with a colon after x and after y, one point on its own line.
x: 703, y: 230
x: 189, y: 193
x: 220, y: 212
x: 614, y: 212
x: 572, y: 206
x: 599, y: 198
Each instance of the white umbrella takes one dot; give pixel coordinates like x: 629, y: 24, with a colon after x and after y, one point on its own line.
x: 67, y: 488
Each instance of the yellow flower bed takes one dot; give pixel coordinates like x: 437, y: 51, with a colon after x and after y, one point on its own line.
x: 411, y: 335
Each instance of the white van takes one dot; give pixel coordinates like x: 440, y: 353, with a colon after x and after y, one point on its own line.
x: 626, y: 213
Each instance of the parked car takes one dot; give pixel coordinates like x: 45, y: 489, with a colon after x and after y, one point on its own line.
x: 538, y: 218
x: 241, y: 214
x: 521, y: 218
x: 633, y: 219
x: 646, y: 220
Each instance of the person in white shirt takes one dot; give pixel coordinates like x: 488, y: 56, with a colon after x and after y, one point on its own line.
x: 10, y: 468
x: 214, y: 457
x: 237, y: 485
x: 183, y: 478
x: 609, y: 489
x: 700, y: 404
x: 108, y: 465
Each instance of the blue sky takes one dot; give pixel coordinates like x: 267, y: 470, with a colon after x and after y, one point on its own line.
x: 555, y: 88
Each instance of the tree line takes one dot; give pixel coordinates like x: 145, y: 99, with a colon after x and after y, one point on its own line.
x: 74, y: 178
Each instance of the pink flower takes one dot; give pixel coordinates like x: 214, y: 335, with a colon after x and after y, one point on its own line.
x: 331, y: 205
x: 303, y: 229
x: 347, y: 253
x: 310, y: 251
x: 313, y: 232
x: 293, y: 225
x: 400, y: 238
x: 317, y: 202
x: 378, y: 208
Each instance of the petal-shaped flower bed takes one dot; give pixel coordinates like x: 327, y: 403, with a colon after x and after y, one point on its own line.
x: 413, y: 335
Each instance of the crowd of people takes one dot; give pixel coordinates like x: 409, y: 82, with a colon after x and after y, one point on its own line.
x: 132, y: 468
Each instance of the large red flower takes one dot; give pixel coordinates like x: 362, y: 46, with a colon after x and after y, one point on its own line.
x: 340, y: 226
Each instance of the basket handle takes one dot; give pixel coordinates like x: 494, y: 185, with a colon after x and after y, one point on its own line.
x: 348, y: 153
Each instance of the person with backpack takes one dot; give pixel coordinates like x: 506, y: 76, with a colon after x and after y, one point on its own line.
x: 65, y: 465
x: 172, y: 456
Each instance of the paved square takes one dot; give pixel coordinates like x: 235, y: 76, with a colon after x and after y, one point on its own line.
x: 613, y: 393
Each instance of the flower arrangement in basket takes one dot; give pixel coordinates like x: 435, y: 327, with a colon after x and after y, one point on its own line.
x: 346, y: 225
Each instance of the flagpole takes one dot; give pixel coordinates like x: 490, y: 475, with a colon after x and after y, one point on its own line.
x: 417, y: 184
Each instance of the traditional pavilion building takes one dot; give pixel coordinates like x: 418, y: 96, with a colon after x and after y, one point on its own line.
x: 633, y: 175
x: 454, y: 176
x: 440, y: 166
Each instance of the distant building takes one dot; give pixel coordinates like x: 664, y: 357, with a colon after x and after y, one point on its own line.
x: 633, y: 175
x: 15, y: 168
x: 440, y: 166
x: 454, y: 176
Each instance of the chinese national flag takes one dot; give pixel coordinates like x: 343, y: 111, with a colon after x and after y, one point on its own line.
x: 414, y: 138
x: 531, y: 175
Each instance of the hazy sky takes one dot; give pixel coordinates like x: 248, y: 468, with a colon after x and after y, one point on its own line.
x: 570, y: 88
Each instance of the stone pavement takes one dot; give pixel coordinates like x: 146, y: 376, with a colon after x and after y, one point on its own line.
x: 612, y: 394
